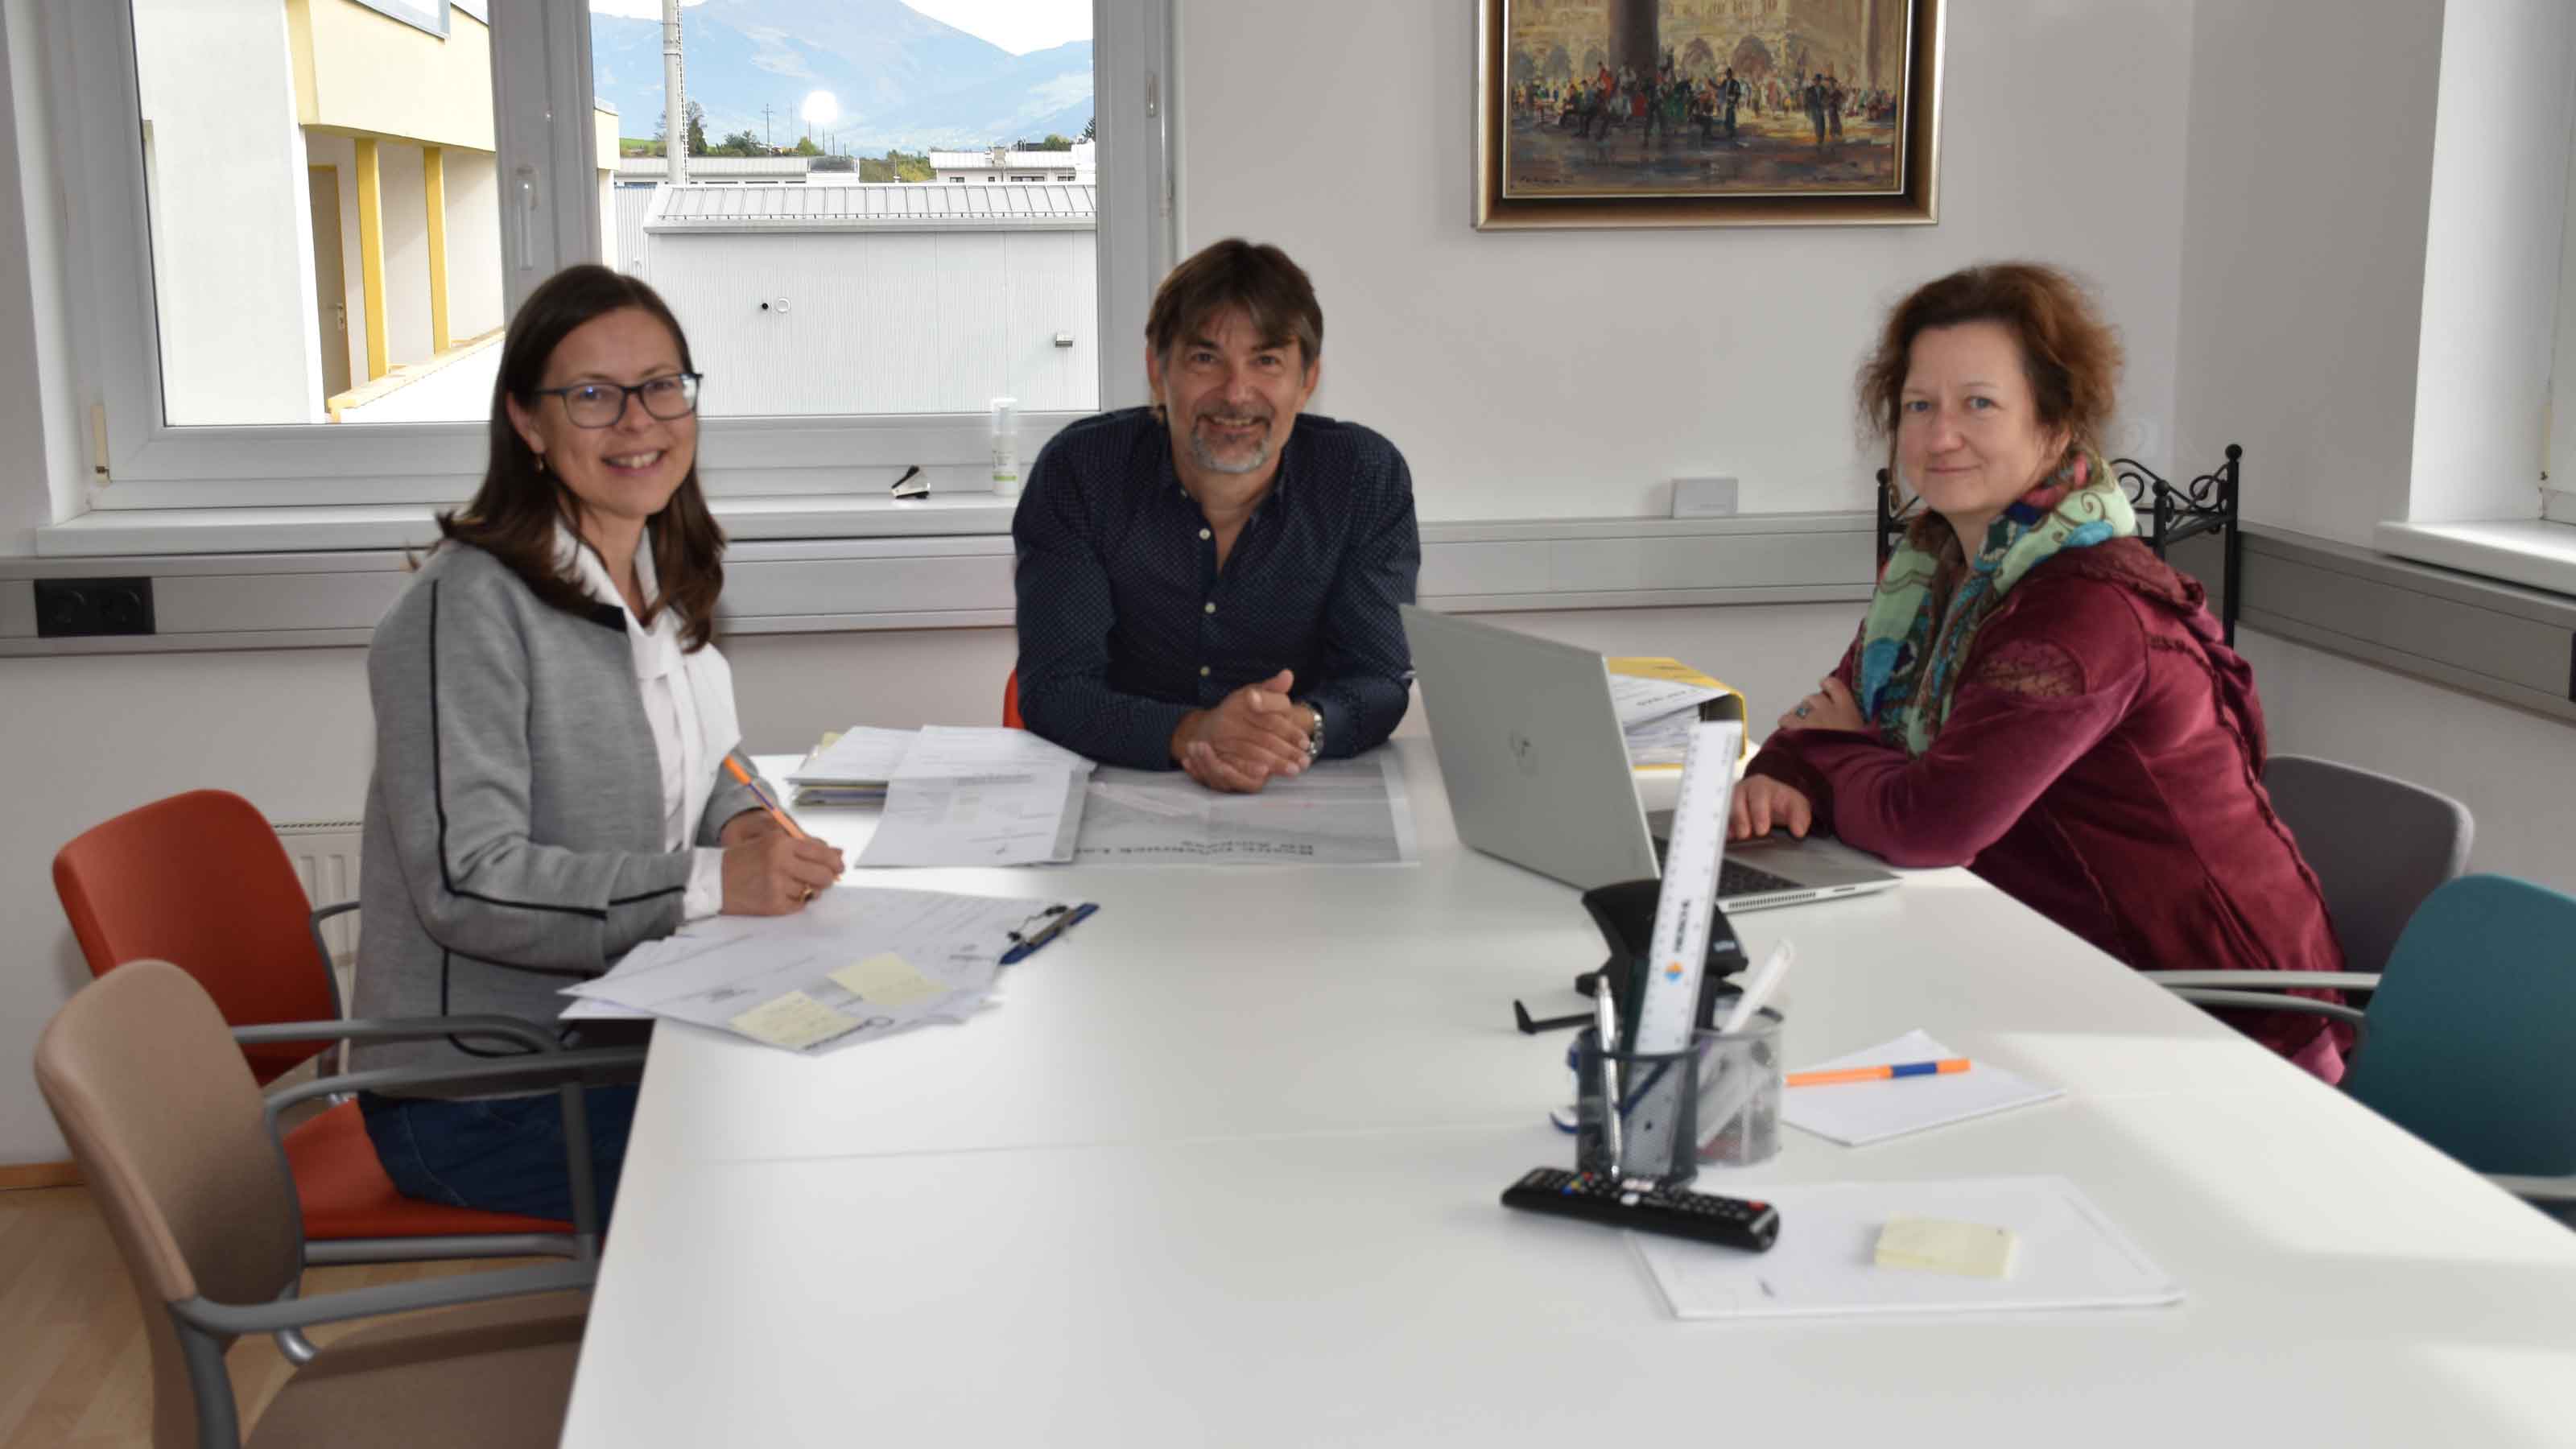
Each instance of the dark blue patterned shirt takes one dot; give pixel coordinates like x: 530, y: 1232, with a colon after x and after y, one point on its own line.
x: 1126, y: 623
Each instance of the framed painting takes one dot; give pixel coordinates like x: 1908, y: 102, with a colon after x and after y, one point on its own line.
x: 1629, y: 113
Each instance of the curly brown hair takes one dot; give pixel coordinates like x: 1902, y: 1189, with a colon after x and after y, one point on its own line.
x: 2070, y: 355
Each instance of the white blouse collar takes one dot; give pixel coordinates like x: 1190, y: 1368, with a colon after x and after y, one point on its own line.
x: 657, y: 650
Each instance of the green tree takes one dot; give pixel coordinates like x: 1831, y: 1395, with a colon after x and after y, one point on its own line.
x: 697, y: 131
x: 805, y: 147
x: 741, y: 143
x: 1091, y: 129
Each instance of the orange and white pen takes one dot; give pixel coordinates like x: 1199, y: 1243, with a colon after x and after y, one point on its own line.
x: 1880, y: 1073
x: 766, y: 803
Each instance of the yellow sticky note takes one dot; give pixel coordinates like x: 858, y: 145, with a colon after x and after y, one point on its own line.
x: 794, y: 1021
x: 1970, y: 1250
x: 886, y: 979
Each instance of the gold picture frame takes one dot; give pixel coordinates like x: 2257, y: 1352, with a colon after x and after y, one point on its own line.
x: 1614, y: 113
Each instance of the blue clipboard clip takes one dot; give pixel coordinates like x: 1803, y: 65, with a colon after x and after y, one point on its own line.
x: 1043, y: 927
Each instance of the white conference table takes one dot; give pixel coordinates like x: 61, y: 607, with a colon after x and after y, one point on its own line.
x: 1223, y: 1169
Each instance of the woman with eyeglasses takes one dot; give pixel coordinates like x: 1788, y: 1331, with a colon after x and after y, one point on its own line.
x: 553, y: 723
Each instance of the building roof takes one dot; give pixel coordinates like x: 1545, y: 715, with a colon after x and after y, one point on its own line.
x: 654, y: 168
x: 1081, y: 155
x: 876, y: 205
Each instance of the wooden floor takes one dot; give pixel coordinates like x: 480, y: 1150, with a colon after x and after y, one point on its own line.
x: 74, y: 1364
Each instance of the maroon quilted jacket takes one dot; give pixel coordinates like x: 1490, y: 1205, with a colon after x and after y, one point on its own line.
x: 2102, y: 763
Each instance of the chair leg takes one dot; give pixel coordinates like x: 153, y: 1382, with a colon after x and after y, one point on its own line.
x: 211, y: 1384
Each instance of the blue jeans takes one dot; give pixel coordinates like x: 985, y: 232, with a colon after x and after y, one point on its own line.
x: 501, y: 1154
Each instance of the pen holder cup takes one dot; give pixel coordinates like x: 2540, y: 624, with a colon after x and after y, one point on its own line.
x: 1716, y: 1102
x: 1740, y: 1084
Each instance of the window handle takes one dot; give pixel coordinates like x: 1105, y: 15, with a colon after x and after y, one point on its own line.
x: 527, y: 209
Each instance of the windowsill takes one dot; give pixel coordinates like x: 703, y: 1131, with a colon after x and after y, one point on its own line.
x: 2535, y: 552
x: 103, y: 533
x: 354, y: 528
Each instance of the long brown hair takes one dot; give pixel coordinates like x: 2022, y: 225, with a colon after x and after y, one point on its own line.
x: 513, y: 515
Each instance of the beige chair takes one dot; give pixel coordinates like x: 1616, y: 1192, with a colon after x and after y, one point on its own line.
x: 162, y: 1115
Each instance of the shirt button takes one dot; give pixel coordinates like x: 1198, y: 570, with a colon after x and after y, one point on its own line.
x: 1211, y: 606
x: 1203, y: 533
x: 1203, y: 671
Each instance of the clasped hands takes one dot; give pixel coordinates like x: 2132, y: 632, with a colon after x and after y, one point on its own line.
x: 1253, y: 735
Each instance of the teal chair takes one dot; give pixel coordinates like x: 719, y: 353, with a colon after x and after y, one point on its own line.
x: 2470, y: 1038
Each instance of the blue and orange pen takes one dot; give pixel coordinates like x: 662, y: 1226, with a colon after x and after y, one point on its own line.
x: 1940, y: 1068
x: 766, y: 803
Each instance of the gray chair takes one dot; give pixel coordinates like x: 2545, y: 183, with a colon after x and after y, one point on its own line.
x: 2378, y: 844
x: 161, y: 1112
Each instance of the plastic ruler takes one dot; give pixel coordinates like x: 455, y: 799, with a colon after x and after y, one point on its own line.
x: 1669, y: 1003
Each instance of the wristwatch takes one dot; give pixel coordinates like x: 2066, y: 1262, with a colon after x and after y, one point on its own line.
x: 1315, y: 734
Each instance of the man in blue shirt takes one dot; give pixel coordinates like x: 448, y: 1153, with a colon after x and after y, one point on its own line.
x: 1212, y: 582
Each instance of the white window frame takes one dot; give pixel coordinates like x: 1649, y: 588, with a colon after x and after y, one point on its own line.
x: 542, y: 69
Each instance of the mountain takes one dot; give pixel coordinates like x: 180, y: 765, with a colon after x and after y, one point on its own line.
x: 902, y: 78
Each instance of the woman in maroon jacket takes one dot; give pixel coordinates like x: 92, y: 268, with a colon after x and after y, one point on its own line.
x: 2033, y: 693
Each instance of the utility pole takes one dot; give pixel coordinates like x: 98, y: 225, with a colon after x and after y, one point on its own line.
x: 675, y: 121
x: 764, y: 128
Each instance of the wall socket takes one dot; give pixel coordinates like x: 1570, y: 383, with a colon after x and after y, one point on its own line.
x: 1703, y: 498
x: 78, y: 608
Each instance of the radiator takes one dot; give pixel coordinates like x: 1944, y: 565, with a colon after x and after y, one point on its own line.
x: 325, y: 853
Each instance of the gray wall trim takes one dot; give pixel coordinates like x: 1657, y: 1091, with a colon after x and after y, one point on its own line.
x: 963, y: 580
x: 2504, y: 642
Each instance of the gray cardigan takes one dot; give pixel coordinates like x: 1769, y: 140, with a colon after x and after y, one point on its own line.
x: 514, y: 825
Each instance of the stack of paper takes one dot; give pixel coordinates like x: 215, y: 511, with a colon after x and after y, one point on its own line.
x: 980, y: 796
x: 1658, y: 701
x: 853, y: 966
x: 851, y: 768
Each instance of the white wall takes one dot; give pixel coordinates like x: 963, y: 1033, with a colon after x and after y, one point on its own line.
x: 2304, y: 214
x: 341, y: 155
x: 885, y: 321
x: 473, y: 244
x: 403, y: 176
x: 1573, y: 374
x: 39, y: 406
x: 2491, y: 259
x: 2511, y: 768
x: 232, y: 266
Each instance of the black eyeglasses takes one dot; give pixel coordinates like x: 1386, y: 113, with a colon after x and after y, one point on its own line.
x: 601, y: 404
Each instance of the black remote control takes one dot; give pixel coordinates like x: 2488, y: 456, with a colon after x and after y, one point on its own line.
x: 1729, y: 1222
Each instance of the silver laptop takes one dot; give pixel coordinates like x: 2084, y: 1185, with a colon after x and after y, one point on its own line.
x: 1538, y: 773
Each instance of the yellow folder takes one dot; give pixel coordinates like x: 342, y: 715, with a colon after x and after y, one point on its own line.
x: 1729, y: 705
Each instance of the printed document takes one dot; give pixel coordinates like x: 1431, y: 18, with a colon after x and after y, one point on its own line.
x: 980, y: 796
x: 854, y: 966
x: 1339, y: 812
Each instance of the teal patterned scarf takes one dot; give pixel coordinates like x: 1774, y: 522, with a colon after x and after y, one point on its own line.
x: 1911, y: 650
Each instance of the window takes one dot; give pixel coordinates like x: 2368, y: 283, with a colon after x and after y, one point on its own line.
x: 310, y: 308
x: 341, y: 262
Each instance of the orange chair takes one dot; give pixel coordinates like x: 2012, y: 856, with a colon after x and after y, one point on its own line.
x: 1011, y: 703
x: 200, y: 879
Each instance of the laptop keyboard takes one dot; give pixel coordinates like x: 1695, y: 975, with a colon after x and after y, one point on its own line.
x: 1734, y: 878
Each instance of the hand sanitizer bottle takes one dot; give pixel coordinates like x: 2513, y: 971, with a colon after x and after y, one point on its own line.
x: 1006, y: 447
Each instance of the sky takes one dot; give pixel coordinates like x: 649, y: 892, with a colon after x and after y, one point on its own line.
x: 1018, y: 26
